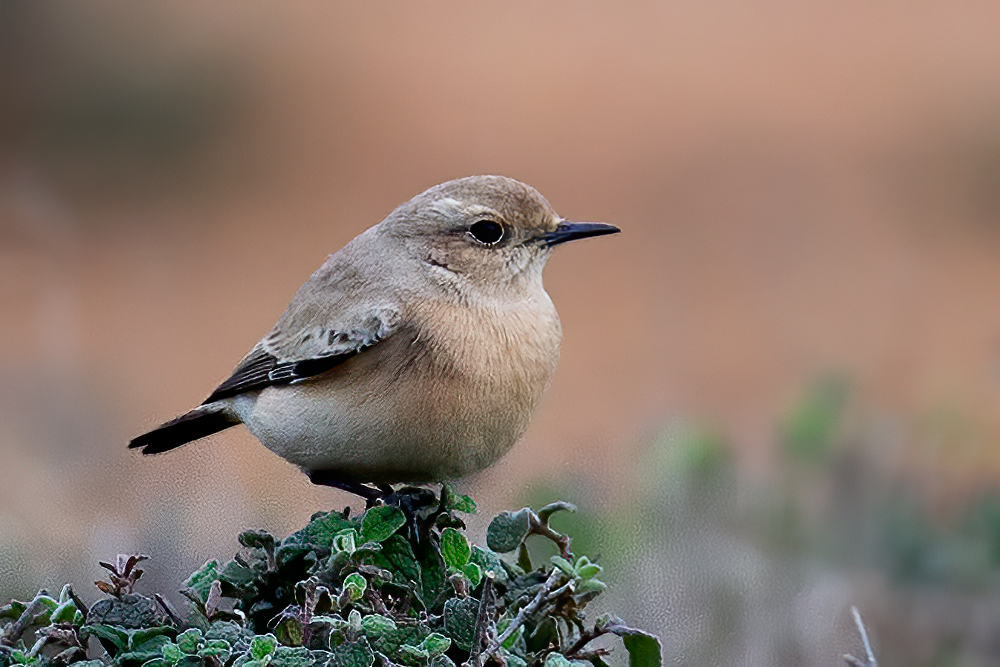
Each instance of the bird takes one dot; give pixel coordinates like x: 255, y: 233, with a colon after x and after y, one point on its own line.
x: 417, y: 353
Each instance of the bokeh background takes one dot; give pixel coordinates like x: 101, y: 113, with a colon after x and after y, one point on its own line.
x: 779, y: 392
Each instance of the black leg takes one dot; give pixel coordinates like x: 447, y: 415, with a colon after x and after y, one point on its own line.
x: 327, y: 478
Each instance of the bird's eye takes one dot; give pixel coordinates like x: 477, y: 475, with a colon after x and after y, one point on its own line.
x: 486, y: 231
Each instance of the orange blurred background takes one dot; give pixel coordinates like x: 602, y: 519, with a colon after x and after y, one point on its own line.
x: 804, y: 188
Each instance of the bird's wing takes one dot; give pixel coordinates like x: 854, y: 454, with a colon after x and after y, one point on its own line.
x: 293, y: 353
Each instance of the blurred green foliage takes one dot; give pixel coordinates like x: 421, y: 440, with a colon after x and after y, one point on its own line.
x: 809, y: 431
x: 724, y: 548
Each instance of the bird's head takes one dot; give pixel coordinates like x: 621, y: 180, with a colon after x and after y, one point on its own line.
x: 486, y: 233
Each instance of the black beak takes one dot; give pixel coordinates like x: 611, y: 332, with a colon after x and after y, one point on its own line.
x: 570, y: 231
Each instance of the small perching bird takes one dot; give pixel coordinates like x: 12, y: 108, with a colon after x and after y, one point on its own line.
x: 416, y: 353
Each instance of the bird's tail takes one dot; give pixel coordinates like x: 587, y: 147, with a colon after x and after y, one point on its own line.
x: 203, y: 420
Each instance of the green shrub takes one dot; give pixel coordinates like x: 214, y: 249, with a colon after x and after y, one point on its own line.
x: 399, y: 585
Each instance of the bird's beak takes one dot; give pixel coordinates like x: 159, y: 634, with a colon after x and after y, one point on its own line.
x: 570, y: 231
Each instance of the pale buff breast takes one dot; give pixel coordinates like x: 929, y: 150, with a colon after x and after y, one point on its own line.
x: 429, y: 403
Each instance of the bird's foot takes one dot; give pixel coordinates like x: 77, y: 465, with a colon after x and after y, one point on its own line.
x: 415, y: 503
x: 421, y: 506
x: 411, y: 499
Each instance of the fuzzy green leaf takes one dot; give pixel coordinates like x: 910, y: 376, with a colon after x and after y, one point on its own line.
x: 346, y: 541
x: 64, y: 613
x: 142, y: 657
x: 263, y: 646
x: 459, y: 502
x: 171, y: 652
x: 455, y: 548
x: 47, y: 602
x: 230, y: 632
x: 377, y: 625
x: 591, y: 586
x: 643, y: 649
x: 237, y: 574
x: 508, y: 530
x: 216, y: 648
x: 138, y: 638
x: 564, y: 565
x: 21, y: 658
x: 289, y: 631
x: 257, y: 539
x: 286, y: 656
x: 514, y: 660
x: 397, y: 557
x: 436, y: 644
x: 524, y: 558
x: 388, y: 642
x: 200, y: 581
x: 146, y: 643
x: 13, y: 610
x: 356, y: 585
x: 381, y: 522
x: 352, y: 654
x: 473, y: 573
x: 511, y: 641
x: 545, y: 634
x: 460, y: 621
x: 488, y: 562
x: 433, y: 575
x: 321, y: 530
x: 557, y: 660
x: 128, y: 611
x: 413, y: 655
x: 113, y: 639
x: 190, y: 641
x: 354, y: 620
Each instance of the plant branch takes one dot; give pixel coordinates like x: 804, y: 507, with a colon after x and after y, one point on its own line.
x: 482, y: 620
x: 869, y: 660
x: 80, y: 604
x: 169, y: 609
x: 526, y: 611
x: 17, y: 628
x: 585, y: 638
x: 540, y: 526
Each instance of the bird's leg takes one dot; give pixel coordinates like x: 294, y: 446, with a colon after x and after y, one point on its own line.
x: 370, y: 494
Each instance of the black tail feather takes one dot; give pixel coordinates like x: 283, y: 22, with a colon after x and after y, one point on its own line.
x: 198, y: 423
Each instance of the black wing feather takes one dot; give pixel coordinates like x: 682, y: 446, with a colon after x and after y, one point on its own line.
x: 262, y: 369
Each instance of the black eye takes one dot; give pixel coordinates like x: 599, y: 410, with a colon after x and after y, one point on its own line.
x: 486, y: 231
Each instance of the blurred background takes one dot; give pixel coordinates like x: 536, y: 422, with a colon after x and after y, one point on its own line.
x: 779, y: 392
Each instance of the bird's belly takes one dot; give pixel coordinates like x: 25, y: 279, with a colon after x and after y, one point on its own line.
x: 408, y: 410
x: 391, y: 438
x: 404, y: 434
